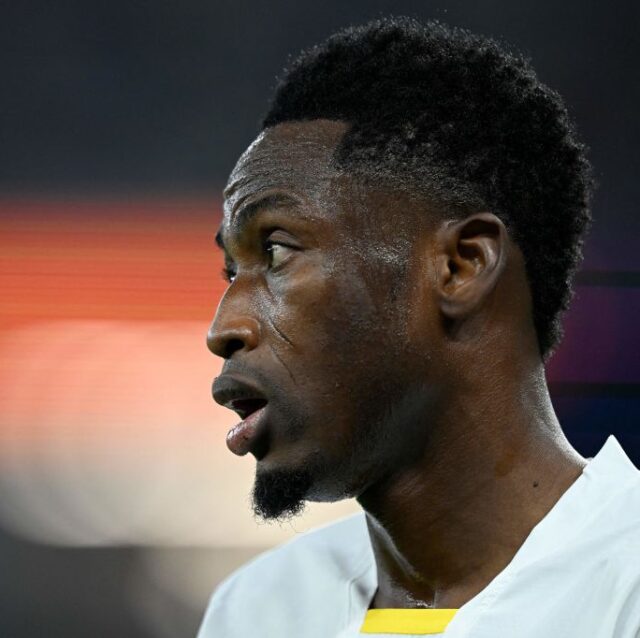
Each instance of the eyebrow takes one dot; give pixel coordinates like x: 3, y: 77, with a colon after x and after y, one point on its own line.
x: 244, y: 214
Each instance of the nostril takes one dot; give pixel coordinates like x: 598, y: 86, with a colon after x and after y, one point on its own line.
x: 231, y: 346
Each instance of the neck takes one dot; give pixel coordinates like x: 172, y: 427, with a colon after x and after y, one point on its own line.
x: 443, y: 528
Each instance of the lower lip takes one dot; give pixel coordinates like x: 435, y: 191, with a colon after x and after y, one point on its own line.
x: 241, y: 438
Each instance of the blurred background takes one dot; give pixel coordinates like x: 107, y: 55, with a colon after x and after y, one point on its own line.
x: 120, y: 506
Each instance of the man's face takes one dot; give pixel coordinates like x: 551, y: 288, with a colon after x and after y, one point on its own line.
x: 326, y: 319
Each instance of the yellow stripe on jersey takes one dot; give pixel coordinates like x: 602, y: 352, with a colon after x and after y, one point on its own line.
x: 407, y: 621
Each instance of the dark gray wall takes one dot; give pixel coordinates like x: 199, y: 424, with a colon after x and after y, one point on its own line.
x: 112, y: 96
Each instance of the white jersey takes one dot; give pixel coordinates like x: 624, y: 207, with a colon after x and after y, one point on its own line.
x: 577, y: 575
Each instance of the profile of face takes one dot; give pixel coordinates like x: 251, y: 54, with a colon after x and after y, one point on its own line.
x: 327, y: 327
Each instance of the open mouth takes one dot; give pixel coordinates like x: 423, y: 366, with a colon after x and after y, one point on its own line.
x: 248, y: 401
x: 248, y: 435
x: 245, y: 407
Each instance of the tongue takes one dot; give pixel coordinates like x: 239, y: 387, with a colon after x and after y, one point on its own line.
x: 241, y: 437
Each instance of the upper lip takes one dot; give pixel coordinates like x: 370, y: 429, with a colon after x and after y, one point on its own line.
x: 238, y: 395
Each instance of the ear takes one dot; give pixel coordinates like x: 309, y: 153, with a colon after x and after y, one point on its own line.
x: 470, y: 259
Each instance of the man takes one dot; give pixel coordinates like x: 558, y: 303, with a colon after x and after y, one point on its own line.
x: 400, y: 241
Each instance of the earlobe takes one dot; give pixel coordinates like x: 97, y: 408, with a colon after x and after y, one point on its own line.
x: 470, y: 261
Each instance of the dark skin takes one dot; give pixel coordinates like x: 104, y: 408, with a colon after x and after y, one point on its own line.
x: 396, y: 348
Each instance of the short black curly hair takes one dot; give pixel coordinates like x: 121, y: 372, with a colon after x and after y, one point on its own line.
x: 467, y: 120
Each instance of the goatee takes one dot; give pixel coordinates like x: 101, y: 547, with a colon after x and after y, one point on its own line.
x: 279, y: 494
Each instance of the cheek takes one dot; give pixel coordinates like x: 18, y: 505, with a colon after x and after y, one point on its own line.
x: 339, y: 333
x: 328, y: 316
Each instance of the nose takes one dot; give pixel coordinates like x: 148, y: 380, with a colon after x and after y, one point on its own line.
x: 228, y: 336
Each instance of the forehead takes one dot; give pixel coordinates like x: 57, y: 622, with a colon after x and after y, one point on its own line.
x: 293, y: 157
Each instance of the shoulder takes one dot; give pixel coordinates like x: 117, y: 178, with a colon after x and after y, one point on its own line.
x: 312, y: 568
x: 619, y: 532
x: 609, y: 533
x: 611, y: 493
x: 616, y: 513
x: 598, y: 546
x: 609, y: 569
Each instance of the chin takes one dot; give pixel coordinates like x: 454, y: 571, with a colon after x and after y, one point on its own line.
x: 283, y: 487
x: 279, y: 493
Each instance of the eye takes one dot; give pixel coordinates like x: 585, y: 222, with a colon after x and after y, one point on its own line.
x: 278, y: 253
